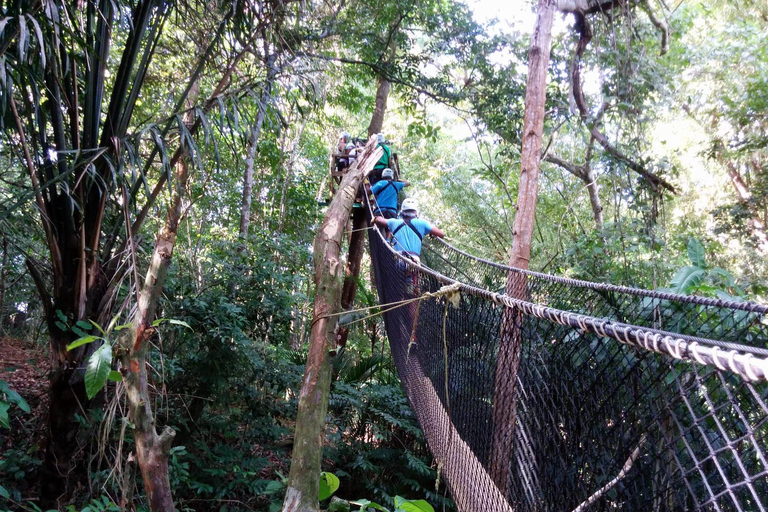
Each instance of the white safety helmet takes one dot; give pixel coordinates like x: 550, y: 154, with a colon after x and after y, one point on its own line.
x: 410, y: 207
x: 387, y: 173
x: 344, y: 135
x: 380, y: 138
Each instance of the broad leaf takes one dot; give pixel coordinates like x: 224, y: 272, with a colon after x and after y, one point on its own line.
x: 696, y: 253
x: 329, y: 483
x: 171, y: 321
x: 99, y: 366
x: 686, y: 279
x: 82, y: 341
x: 115, y: 376
x: 12, y: 397
x: 5, y: 420
x: 404, y: 505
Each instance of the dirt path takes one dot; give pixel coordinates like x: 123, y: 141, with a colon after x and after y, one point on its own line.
x: 24, y: 367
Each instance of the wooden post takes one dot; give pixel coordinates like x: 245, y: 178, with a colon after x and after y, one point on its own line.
x: 511, y: 336
x: 303, y: 487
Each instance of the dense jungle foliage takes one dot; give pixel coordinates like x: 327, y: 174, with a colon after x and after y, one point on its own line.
x: 121, y: 118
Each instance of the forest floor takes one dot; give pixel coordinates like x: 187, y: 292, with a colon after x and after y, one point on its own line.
x: 24, y: 366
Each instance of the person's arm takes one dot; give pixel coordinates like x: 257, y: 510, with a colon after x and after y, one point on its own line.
x: 439, y: 233
x: 406, y: 183
x: 380, y: 221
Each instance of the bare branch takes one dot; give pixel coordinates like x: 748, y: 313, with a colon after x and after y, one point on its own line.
x: 585, y: 35
x: 607, y: 487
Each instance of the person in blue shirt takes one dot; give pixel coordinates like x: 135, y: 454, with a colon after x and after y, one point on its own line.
x: 386, y: 192
x: 408, y: 231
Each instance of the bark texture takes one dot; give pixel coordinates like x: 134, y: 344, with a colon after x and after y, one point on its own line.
x: 303, y: 489
x: 511, y: 334
x: 152, y: 449
x: 382, y: 92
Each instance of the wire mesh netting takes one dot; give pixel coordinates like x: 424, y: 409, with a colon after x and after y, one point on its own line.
x: 565, y: 395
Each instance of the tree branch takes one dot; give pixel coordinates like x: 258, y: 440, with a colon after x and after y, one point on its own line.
x: 585, y: 35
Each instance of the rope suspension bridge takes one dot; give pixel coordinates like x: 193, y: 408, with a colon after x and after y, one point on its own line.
x: 542, y: 393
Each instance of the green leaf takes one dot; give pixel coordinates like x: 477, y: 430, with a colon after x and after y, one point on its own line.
x: 4, y: 492
x: 171, y: 321
x: 5, y: 420
x: 274, y: 487
x: 115, y: 376
x: 696, y: 253
x: 97, y: 326
x: 99, y: 366
x: 366, y: 504
x: 329, y: 483
x: 12, y: 397
x: 83, y: 324
x: 61, y: 315
x: 79, y: 331
x: 404, y: 505
x: 686, y: 279
x: 82, y: 341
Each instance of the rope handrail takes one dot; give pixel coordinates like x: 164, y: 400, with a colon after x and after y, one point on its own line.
x: 748, y: 306
x: 741, y: 359
x: 549, y: 397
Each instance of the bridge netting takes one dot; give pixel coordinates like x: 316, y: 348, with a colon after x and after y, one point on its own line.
x: 563, y: 395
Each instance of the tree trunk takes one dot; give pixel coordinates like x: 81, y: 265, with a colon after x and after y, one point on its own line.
x: 3, y: 278
x: 511, y: 330
x: 352, y: 271
x: 380, y: 108
x: 382, y: 93
x: 303, y: 489
x: 253, y: 144
x: 152, y: 449
x: 587, y: 175
x: 357, y: 240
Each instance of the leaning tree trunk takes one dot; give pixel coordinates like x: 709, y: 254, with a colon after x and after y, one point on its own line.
x: 511, y: 331
x: 357, y: 237
x: 152, y: 449
x: 303, y: 487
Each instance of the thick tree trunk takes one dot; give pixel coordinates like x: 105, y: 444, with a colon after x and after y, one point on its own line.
x: 303, y: 489
x: 382, y: 93
x: 511, y: 330
x: 380, y: 108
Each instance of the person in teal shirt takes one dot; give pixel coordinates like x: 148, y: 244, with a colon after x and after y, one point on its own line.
x: 386, y: 191
x: 408, y: 231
